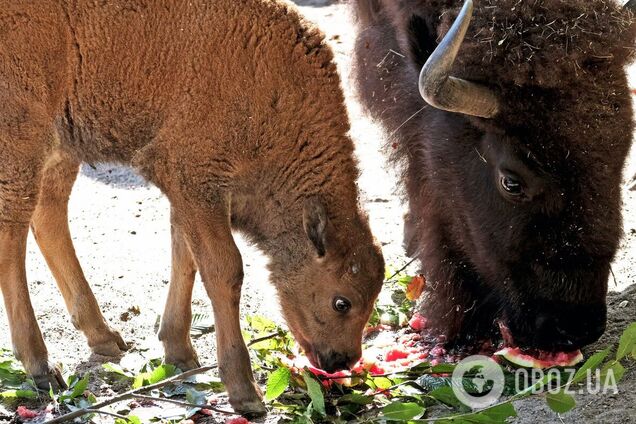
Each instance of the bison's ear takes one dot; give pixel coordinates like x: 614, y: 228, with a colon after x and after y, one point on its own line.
x: 315, y: 222
x: 421, y: 39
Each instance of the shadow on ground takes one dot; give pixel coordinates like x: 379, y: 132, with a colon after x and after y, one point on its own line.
x: 114, y: 175
x: 315, y: 3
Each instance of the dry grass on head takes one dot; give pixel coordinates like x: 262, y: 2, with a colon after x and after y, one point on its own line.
x: 544, y: 42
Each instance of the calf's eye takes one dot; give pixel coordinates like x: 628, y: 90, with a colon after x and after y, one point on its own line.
x: 341, y: 304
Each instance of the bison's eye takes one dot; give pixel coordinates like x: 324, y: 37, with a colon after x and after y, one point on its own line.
x: 341, y: 304
x: 511, y: 185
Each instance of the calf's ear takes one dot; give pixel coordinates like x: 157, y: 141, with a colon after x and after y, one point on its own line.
x: 315, y: 222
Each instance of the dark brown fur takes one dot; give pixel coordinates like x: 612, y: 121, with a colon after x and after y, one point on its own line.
x: 565, y: 126
x: 234, y: 109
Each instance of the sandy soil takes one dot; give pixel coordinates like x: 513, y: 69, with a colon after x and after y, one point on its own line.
x: 121, y: 233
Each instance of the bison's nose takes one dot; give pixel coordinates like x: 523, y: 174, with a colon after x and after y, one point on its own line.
x: 335, y: 361
x: 572, y: 329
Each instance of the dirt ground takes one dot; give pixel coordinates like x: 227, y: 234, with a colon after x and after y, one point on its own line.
x: 121, y: 233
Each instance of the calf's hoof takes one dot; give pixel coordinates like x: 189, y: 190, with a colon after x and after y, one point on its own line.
x: 52, y: 378
x: 184, y: 364
x: 181, y: 355
x: 249, y: 404
x: 250, y: 408
x: 111, y: 344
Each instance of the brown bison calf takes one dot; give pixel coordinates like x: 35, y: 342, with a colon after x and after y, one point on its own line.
x: 234, y: 109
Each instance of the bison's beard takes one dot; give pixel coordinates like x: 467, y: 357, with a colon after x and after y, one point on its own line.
x: 463, y: 312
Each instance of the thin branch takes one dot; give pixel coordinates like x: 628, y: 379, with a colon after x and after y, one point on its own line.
x: 112, y: 414
x: 613, y: 275
x: 262, y: 339
x: 400, y: 270
x: 128, y: 395
x: 186, y: 404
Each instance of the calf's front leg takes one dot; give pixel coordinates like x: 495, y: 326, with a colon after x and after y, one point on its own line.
x: 219, y: 262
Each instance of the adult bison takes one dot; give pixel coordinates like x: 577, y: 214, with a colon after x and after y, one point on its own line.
x: 513, y: 149
x: 234, y: 109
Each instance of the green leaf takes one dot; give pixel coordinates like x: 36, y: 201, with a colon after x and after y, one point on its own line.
x: 498, y: 414
x: 18, y: 394
x: 140, y: 380
x: 445, y: 395
x: 162, y: 372
x: 277, y: 383
x: 116, y: 369
x: 356, y: 399
x: 269, y: 344
x: 560, y: 402
x: 381, y: 383
x: 402, y: 411
x: 80, y: 387
x: 374, y: 319
x: 131, y: 419
x: 71, y: 380
x: 593, y: 363
x: 536, y: 386
x: 9, y: 378
x: 443, y: 369
x: 12, y: 374
x: 314, y: 389
x: 158, y: 374
x: 627, y: 342
x: 617, y: 372
x: 261, y: 324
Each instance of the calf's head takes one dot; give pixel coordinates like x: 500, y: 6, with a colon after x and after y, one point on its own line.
x: 328, y: 291
x: 528, y: 167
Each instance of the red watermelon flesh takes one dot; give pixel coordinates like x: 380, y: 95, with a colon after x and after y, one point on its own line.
x: 534, y: 358
x: 539, y: 358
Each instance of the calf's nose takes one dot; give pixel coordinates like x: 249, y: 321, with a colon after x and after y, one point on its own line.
x: 335, y: 361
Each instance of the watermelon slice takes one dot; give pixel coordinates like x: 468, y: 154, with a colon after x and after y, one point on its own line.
x: 539, y: 358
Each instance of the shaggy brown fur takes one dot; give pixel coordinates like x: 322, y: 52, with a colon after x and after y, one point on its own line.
x: 538, y: 262
x: 234, y: 109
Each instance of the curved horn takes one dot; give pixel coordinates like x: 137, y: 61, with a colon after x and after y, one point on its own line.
x: 445, y: 92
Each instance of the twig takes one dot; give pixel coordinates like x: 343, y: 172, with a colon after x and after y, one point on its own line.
x: 401, y: 269
x: 112, y: 414
x: 128, y: 395
x: 613, y: 276
x: 187, y: 404
x: 264, y: 338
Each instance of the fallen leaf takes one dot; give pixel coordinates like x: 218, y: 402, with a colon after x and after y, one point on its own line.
x: 415, y: 288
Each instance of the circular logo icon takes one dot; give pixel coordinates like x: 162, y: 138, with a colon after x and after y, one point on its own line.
x: 478, y: 381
